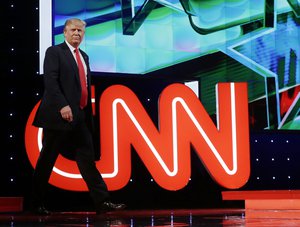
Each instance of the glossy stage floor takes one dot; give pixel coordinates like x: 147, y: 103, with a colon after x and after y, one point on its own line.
x: 143, y: 218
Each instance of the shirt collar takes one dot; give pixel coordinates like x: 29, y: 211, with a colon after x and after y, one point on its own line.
x: 70, y: 46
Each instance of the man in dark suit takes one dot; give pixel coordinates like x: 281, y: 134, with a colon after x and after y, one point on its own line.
x: 65, y: 114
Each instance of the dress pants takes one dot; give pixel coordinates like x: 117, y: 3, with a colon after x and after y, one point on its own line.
x: 83, y: 151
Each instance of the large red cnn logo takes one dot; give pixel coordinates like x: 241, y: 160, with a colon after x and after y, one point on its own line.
x: 165, y: 151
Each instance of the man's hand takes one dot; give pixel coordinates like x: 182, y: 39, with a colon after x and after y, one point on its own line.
x: 66, y: 113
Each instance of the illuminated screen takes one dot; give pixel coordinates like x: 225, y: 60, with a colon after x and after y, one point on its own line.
x: 141, y: 37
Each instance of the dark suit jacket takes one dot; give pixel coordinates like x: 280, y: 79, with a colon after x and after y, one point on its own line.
x: 62, y: 88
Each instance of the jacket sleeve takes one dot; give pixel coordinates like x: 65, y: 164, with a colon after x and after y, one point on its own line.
x: 51, y: 78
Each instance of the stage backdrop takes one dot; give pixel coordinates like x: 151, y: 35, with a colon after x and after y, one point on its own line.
x: 147, y: 46
x: 146, y: 37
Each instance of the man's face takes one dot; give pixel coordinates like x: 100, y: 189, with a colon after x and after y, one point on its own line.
x: 74, y: 33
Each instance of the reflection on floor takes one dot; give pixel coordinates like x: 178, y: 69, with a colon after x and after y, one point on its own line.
x: 144, y: 218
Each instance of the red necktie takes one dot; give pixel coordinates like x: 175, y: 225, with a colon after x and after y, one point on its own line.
x: 84, y: 93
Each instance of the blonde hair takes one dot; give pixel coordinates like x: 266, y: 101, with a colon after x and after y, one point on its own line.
x: 73, y: 21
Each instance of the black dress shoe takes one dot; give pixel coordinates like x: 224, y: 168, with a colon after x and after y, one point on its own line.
x: 109, y: 206
x: 40, y: 210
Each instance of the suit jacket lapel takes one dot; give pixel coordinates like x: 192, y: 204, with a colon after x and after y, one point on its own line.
x: 71, y: 60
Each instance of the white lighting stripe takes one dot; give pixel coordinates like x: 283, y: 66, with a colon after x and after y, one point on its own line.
x: 40, y: 144
x: 142, y: 132
x: 206, y: 138
x: 174, y: 132
x: 290, y: 111
x: 65, y: 174
x: 132, y: 9
x: 56, y: 170
x: 45, y: 29
x: 233, y: 126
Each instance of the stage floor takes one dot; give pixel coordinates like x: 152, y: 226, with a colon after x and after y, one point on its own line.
x: 143, y: 218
